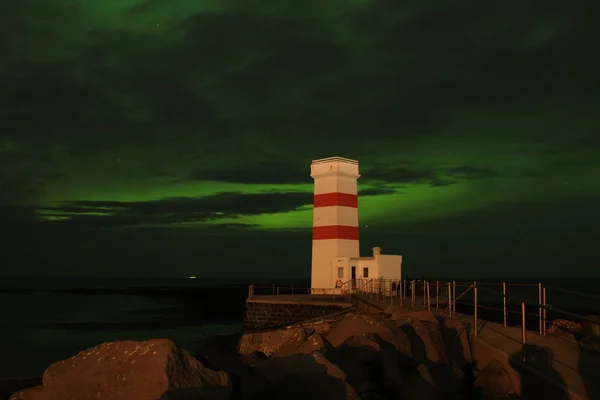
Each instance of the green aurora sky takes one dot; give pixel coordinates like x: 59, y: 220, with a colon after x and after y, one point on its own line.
x: 169, y: 138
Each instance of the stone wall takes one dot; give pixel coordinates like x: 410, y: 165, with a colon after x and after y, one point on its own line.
x: 265, y: 315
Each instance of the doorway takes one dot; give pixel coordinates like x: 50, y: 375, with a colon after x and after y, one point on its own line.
x: 353, y: 277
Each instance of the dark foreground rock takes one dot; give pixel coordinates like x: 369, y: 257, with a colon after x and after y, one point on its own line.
x: 150, y: 370
x: 9, y: 386
x: 407, y: 355
x: 411, y: 355
x: 494, y: 381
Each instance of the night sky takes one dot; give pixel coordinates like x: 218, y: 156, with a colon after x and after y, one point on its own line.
x: 174, y: 138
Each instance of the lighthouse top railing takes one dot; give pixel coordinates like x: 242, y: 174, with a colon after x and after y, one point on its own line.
x: 330, y: 159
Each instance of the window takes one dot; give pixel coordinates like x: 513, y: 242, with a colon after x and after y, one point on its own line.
x: 365, y: 272
x: 340, y: 272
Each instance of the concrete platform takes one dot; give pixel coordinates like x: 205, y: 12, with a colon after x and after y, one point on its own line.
x: 316, y: 299
x: 420, y: 301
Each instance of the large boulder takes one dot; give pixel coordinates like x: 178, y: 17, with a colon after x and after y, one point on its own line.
x: 456, y: 338
x: 565, y: 329
x: 370, y: 365
x: 589, y: 328
x: 420, y: 385
x: 358, y: 324
x: 363, y: 355
x: 314, y: 342
x: 304, y: 376
x: 590, y: 334
x: 494, y: 381
x: 269, y: 342
x: 130, y: 370
x: 426, y: 341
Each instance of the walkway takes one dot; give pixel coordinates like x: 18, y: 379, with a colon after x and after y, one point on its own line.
x: 316, y: 299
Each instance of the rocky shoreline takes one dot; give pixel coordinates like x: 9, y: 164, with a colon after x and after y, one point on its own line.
x: 347, y: 355
x: 353, y: 355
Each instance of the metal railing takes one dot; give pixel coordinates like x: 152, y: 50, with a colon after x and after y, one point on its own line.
x: 541, y: 306
x: 434, y: 295
x: 442, y: 297
x: 299, y: 293
x: 418, y: 293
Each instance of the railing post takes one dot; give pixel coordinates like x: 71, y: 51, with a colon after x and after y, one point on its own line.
x: 504, y: 300
x: 437, y: 294
x: 428, y: 297
x: 449, y: 300
x: 475, y: 319
x: 277, y: 293
x: 413, y: 293
x: 523, y: 332
x: 544, y: 326
x: 424, y: 292
x: 540, y: 308
x: 454, y: 297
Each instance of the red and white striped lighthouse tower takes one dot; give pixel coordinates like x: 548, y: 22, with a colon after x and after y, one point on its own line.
x: 335, y: 216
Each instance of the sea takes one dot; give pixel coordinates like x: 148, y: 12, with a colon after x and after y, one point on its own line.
x: 48, y: 319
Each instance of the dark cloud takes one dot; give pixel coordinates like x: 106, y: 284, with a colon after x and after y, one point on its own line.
x: 405, y: 172
x: 24, y: 172
x: 285, y: 74
x: 262, y: 172
x: 402, y: 172
x: 472, y: 172
x: 232, y: 95
x: 377, y: 191
x: 440, y: 182
x: 176, y: 210
x: 171, y: 211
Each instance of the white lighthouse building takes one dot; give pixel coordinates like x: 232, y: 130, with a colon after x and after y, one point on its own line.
x: 335, y: 249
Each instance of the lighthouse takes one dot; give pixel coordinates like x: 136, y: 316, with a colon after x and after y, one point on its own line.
x: 335, y: 246
x: 335, y: 216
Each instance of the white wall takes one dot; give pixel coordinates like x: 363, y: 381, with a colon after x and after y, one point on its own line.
x: 343, y: 263
x: 360, y: 264
x: 324, y: 253
x: 390, y: 267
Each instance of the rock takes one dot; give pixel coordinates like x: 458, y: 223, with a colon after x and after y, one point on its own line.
x: 370, y: 364
x: 10, y: 386
x: 358, y: 324
x: 304, y: 376
x: 494, y: 380
x: 314, y: 342
x: 130, y: 370
x: 456, y: 338
x: 425, y: 340
x: 269, y: 342
x: 590, y: 329
x: 420, y: 385
x: 590, y: 344
x: 564, y: 328
x: 366, y: 356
